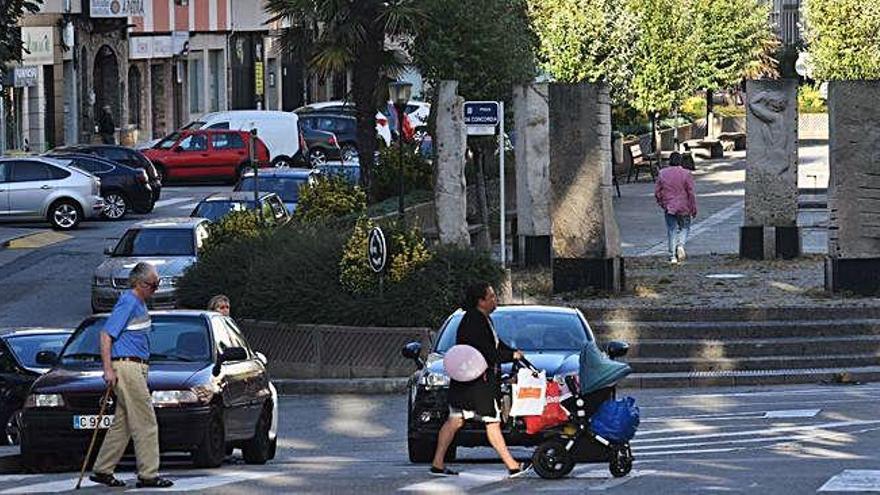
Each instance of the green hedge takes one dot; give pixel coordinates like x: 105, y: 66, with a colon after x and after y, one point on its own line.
x: 293, y: 275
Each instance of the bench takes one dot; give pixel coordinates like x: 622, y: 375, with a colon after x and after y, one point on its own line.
x: 715, y: 147
x: 640, y: 161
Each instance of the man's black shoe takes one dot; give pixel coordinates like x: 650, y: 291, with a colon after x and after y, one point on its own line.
x: 107, y: 479
x: 154, y: 483
x: 435, y: 471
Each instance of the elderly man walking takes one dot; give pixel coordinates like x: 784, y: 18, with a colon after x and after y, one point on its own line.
x: 125, y: 354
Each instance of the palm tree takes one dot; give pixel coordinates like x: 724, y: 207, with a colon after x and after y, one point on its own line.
x: 335, y: 35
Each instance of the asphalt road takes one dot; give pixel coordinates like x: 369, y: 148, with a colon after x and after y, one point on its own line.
x: 784, y: 440
x: 49, y: 286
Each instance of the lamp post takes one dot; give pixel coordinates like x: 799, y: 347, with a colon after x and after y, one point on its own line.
x: 399, y: 92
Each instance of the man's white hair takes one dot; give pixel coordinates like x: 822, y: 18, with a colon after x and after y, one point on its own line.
x: 140, y: 273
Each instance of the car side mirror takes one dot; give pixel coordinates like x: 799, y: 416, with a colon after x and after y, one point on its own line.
x: 48, y: 358
x: 413, y: 351
x: 233, y: 354
x: 616, y: 349
x: 110, y: 243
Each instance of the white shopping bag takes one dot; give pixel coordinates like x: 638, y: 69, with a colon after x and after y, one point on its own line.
x: 529, y: 393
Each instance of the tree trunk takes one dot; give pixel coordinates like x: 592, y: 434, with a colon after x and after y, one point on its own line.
x: 485, y: 241
x: 365, y: 86
x: 653, y: 133
x: 709, y: 120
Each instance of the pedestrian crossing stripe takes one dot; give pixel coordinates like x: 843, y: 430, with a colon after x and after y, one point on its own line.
x: 182, y: 483
x: 853, y: 481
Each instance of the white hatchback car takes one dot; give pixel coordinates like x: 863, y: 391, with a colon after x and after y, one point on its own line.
x: 39, y: 188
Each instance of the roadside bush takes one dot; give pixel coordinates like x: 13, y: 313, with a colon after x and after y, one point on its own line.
x: 294, y: 276
x: 235, y: 226
x: 810, y: 100
x: 694, y: 107
x: 417, y: 172
x: 329, y: 198
x: 729, y: 111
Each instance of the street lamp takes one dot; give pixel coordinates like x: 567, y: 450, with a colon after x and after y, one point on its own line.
x: 399, y: 92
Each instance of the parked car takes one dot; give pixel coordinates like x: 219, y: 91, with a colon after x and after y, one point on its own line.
x: 210, y: 391
x: 206, y: 155
x: 125, y: 156
x: 47, y: 189
x: 383, y: 131
x: 351, y: 171
x: 171, y: 244
x: 550, y: 337
x: 218, y: 205
x: 19, y: 369
x: 123, y: 188
x: 320, y: 146
x: 285, y: 182
x: 279, y: 130
x: 343, y: 127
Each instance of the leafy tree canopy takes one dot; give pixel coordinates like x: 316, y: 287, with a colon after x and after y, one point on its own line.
x: 844, y: 38
x: 10, y: 36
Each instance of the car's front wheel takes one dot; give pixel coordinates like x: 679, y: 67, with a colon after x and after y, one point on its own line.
x: 13, y: 428
x: 317, y: 157
x: 258, y: 450
x: 212, y: 449
x: 64, y: 214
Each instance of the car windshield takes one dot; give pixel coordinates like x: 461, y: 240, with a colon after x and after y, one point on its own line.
x: 156, y: 242
x: 192, y: 126
x: 285, y: 187
x: 26, y: 347
x: 528, y: 331
x: 168, y: 141
x: 214, y: 210
x: 172, y: 338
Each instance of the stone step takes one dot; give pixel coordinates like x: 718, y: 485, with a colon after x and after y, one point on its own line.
x: 634, y: 331
x: 751, y: 378
x: 596, y: 315
x: 687, y: 364
x: 735, y: 348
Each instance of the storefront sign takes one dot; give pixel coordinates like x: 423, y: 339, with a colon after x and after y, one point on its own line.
x: 116, y: 8
x: 25, y: 76
x: 39, y: 45
x: 140, y: 47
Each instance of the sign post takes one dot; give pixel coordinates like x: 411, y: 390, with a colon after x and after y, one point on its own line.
x: 485, y: 118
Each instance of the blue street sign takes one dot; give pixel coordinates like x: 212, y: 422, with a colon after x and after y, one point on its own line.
x: 481, y: 113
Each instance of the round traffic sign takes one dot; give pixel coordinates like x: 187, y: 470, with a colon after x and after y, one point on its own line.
x: 377, y: 250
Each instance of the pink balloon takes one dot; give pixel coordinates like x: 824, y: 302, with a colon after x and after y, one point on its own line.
x: 463, y: 363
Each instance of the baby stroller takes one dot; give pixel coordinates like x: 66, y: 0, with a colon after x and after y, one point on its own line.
x: 579, y: 439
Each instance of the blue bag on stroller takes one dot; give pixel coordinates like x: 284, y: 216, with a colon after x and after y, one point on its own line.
x: 616, y: 420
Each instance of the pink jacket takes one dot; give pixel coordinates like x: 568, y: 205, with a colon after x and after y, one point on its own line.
x: 675, y: 191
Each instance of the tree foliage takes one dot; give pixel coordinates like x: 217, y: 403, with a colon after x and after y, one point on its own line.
x: 583, y: 40
x: 736, y: 42
x: 10, y: 35
x: 844, y: 38
x: 333, y: 36
x: 488, y: 46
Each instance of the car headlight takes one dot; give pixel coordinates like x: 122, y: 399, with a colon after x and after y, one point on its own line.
x: 173, y: 398
x: 434, y: 380
x: 44, y: 400
x: 168, y: 281
x: 102, y: 281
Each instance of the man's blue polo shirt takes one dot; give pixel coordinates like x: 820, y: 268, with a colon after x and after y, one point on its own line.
x: 129, y: 326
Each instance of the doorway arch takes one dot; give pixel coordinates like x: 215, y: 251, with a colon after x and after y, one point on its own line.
x: 106, y: 81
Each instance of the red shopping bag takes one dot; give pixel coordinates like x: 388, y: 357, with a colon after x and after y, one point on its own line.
x: 554, y: 414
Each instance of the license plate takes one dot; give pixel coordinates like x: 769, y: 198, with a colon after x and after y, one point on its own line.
x: 90, y: 422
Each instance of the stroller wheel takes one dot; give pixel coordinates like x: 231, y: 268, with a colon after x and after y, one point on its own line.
x: 552, y: 461
x: 621, y: 461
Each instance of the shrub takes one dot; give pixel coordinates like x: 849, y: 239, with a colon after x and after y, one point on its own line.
x: 694, y: 107
x: 810, y: 100
x: 233, y: 227
x: 417, y: 172
x: 329, y: 198
x: 729, y: 111
x: 293, y: 275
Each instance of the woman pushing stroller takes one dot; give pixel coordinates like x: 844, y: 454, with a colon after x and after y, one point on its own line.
x: 479, y: 398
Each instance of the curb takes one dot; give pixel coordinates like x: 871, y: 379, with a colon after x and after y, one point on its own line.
x: 333, y: 386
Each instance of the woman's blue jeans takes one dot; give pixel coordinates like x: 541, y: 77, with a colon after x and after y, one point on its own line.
x: 677, y: 229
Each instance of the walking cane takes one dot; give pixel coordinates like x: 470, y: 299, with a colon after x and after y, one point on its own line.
x: 104, y: 401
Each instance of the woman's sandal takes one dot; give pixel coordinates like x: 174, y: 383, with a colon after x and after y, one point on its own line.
x: 107, y: 479
x: 156, y: 482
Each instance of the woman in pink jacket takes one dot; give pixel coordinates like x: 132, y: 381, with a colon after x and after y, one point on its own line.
x: 675, y: 195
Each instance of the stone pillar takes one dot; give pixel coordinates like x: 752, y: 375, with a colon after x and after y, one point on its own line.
x: 586, y: 241
x: 532, y: 149
x: 853, y: 262
x: 771, y: 199
x: 450, y: 194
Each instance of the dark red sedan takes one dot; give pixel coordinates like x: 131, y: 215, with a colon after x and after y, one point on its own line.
x: 206, y: 154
